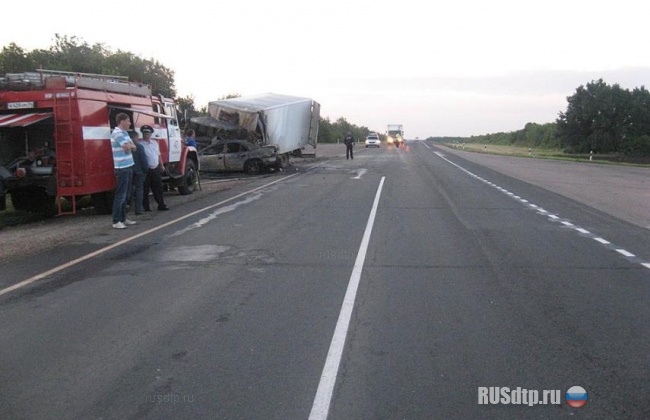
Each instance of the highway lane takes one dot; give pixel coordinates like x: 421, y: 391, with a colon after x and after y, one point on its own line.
x: 466, y: 286
x: 230, y: 313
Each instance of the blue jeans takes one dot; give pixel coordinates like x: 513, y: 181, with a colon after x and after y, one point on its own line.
x: 122, y: 188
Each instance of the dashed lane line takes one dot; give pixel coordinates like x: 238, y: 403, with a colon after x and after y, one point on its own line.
x: 630, y: 256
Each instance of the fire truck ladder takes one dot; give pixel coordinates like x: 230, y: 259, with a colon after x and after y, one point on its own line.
x: 65, y: 153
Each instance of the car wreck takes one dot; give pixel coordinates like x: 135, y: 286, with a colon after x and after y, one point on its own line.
x: 237, y: 155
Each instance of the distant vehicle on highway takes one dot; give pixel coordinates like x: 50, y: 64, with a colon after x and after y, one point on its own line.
x: 237, y: 155
x: 372, y: 140
x: 395, y: 134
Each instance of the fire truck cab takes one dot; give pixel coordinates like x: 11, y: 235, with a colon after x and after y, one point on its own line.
x: 55, y: 132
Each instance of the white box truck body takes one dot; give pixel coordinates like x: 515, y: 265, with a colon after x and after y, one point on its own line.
x: 289, y: 123
x: 395, y: 134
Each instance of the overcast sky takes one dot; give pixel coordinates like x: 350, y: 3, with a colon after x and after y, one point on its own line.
x: 440, y: 68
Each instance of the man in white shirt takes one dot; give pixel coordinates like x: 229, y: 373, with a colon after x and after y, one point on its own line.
x: 122, y: 147
x: 153, y: 179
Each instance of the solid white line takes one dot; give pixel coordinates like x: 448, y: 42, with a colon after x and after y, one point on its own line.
x: 624, y: 252
x: 321, y: 406
x: 129, y: 239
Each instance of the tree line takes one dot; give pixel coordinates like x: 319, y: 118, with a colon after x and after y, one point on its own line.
x: 599, y: 118
x: 69, y: 53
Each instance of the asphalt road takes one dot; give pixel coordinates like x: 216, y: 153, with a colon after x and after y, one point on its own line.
x: 432, y: 276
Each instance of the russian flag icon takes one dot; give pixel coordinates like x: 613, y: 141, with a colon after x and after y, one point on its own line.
x: 576, y: 396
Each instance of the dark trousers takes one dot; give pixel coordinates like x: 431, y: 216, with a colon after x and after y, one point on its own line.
x: 153, y: 182
x: 138, y: 192
x: 122, y: 188
x: 349, y: 153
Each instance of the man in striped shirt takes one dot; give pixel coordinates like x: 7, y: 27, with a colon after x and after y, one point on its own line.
x: 123, y: 163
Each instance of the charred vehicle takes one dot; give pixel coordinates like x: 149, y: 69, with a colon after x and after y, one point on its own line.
x: 237, y: 155
x: 289, y: 124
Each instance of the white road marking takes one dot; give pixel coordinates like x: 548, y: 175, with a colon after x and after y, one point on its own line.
x: 544, y: 212
x: 624, y: 252
x: 129, y: 239
x: 321, y: 406
x: 360, y: 173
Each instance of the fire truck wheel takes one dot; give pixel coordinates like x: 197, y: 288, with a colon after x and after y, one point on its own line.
x: 19, y: 200
x: 34, y: 200
x: 188, y: 183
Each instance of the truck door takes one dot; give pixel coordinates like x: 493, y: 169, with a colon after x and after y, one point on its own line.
x: 174, y: 133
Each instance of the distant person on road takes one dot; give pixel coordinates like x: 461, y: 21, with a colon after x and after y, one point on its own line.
x: 190, y: 140
x: 153, y: 180
x: 349, y: 145
x: 139, y: 173
x: 122, y: 147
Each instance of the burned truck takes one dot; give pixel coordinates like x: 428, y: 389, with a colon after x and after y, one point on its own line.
x: 288, y: 124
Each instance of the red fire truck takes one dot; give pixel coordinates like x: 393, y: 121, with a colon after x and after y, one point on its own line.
x: 55, y: 138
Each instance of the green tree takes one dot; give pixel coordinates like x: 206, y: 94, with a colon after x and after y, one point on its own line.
x: 230, y: 96
x: 325, y: 131
x: 75, y: 55
x: 13, y: 59
x: 599, y: 117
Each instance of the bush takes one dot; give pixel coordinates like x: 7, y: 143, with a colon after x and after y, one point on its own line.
x: 636, y: 146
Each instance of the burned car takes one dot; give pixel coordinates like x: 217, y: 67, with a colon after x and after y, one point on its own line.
x: 237, y: 155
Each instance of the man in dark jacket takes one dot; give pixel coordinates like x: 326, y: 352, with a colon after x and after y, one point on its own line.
x: 139, y: 172
x: 349, y: 144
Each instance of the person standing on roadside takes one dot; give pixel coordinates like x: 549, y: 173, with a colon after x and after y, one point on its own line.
x: 139, y: 172
x: 349, y: 145
x: 122, y: 147
x: 153, y: 179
